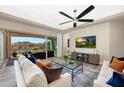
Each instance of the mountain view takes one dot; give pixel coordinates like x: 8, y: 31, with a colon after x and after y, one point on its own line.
x: 21, y: 47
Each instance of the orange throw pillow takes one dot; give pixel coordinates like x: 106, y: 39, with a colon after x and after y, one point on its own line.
x: 40, y: 64
x: 117, y: 65
x: 48, y: 65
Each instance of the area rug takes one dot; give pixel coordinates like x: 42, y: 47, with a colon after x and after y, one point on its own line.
x: 7, y: 77
x: 81, y: 79
x: 85, y: 78
x: 11, y: 61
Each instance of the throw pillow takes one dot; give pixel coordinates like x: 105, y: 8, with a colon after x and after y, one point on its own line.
x: 121, y: 59
x: 40, y: 64
x: 112, y: 59
x: 117, y: 65
x: 117, y: 80
x: 52, y: 74
x: 31, y: 58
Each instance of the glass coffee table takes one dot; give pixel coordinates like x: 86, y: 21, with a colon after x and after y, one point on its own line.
x: 71, y: 65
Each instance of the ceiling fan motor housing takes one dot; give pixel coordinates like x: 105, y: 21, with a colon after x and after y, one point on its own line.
x: 74, y: 24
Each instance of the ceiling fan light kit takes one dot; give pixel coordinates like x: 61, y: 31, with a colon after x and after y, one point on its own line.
x: 77, y: 19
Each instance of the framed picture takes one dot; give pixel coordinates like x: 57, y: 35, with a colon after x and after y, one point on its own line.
x: 86, y: 42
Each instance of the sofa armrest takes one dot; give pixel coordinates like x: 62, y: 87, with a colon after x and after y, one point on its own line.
x: 98, y: 83
x: 18, y: 74
x: 64, y: 81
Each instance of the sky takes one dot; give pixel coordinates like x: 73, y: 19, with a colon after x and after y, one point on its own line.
x: 27, y: 39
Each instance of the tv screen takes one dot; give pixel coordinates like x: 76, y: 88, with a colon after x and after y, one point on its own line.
x: 86, y: 42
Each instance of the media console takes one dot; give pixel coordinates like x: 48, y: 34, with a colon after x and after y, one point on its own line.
x: 88, y: 58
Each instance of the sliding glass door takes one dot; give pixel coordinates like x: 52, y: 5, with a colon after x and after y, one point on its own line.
x: 51, y: 46
x: 40, y: 47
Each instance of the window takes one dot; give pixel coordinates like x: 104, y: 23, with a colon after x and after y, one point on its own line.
x: 51, y: 46
x: 40, y: 47
x: 22, y: 45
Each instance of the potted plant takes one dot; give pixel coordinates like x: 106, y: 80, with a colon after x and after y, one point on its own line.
x: 65, y: 57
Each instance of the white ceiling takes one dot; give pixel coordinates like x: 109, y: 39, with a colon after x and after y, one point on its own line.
x: 49, y: 14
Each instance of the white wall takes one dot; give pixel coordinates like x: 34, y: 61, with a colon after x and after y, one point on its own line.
x: 1, y: 48
x: 59, y: 44
x: 101, y: 31
x: 1, y: 45
x: 21, y: 27
x: 25, y: 28
x: 117, y: 39
x: 65, y: 45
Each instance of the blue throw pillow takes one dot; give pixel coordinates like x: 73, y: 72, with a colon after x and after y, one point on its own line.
x: 32, y: 58
x: 117, y: 80
x: 121, y: 58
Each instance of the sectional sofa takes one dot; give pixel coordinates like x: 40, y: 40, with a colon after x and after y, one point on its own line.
x: 104, y: 75
x: 30, y: 75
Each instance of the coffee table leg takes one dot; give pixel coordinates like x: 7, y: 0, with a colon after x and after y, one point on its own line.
x: 72, y: 75
x: 82, y: 67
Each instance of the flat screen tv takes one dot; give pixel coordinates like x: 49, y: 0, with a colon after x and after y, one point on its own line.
x: 86, y: 42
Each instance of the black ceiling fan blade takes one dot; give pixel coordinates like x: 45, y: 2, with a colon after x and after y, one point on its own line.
x: 65, y: 22
x: 85, y: 20
x: 90, y: 8
x: 65, y: 15
x: 74, y: 25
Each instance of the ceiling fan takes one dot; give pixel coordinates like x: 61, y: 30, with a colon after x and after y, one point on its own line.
x: 77, y: 19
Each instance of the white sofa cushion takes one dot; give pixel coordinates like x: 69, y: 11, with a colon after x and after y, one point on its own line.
x: 106, y: 72
x: 33, y: 75
x: 20, y: 57
x: 19, y: 76
x: 104, y: 75
x: 64, y: 81
x: 98, y: 83
x: 23, y: 61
